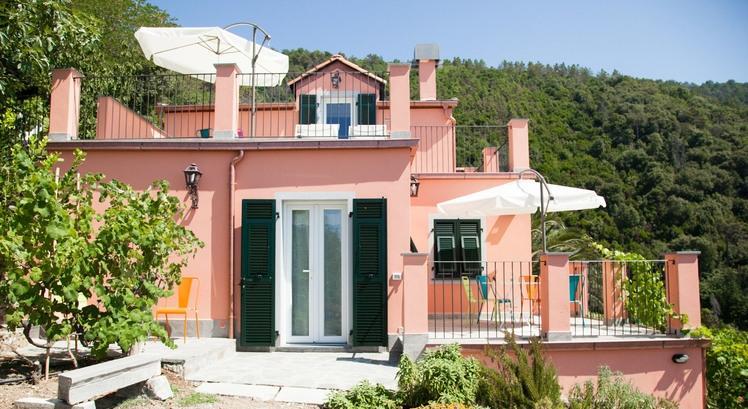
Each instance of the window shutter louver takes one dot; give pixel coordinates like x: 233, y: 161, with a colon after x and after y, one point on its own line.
x: 458, y: 241
x: 307, y: 109
x: 366, y: 109
x: 258, y: 273
x: 369, y: 272
x: 446, y: 248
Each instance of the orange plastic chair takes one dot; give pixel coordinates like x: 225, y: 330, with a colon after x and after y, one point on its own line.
x: 531, y: 284
x: 183, y: 299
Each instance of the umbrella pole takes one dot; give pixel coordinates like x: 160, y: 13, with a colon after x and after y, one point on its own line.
x: 254, y: 60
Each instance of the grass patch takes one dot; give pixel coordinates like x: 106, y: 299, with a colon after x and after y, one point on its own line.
x: 133, y: 403
x: 196, y: 398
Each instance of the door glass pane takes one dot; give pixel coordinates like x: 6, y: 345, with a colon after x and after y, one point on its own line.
x: 300, y: 272
x: 339, y: 114
x: 333, y: 268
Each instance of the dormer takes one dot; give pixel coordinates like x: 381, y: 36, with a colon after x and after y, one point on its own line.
x: 339, y: 98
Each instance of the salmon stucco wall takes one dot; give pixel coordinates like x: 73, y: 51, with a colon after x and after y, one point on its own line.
x: 365, y: 173
x: 648, y: 365
x: 209, y: 222
x: 507, y: 245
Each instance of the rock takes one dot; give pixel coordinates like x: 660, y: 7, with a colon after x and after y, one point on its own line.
x: 158, y: 388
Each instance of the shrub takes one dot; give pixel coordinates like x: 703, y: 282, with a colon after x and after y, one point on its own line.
x: 363, y: 396
x: 520, y: 380
x: 441, y: 376
x: 726, y: 367
x: 613, y: 392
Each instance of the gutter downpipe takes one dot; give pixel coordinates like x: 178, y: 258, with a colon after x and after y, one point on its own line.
x: 232, y: 185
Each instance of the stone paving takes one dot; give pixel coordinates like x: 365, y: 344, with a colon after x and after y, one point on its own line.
x: 317, y: 370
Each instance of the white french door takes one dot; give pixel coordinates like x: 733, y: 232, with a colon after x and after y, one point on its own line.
x: 316, y: 263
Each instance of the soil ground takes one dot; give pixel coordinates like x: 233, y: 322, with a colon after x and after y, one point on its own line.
x: 15, y: 372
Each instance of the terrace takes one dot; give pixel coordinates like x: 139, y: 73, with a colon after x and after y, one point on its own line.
x: 562, y: 300
x: 337, y: 101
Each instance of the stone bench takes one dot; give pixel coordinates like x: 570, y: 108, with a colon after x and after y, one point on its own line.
x: 87, y: 383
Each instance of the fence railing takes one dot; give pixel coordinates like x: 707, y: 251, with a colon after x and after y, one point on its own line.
x: 484, y: 300
x: 466, y: 148
x: 619, y: 298
x: 490, y: 299
x: 146, y: 106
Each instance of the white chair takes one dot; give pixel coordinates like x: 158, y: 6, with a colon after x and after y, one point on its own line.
x: 317, y: 131
x: 368, y: 131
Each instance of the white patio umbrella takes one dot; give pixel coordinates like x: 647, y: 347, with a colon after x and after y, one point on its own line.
x: 522, y: 197
x: 195, y: 50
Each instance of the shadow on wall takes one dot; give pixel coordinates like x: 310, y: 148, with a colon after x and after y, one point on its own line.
x: 675, y: 384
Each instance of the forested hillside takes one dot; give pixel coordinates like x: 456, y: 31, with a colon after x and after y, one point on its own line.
x: 671, y: 159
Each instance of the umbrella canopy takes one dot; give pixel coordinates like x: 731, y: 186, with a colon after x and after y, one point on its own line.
x: 520, y: 197
x: 195, y: 50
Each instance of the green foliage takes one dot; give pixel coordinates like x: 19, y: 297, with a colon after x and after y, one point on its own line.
x: 69, y: 268
x: 726, y: 367
x: 612, y: 392
x: 520, y: 380
x: 363, y: 396
x: 442, y: 375
x: 196, y: 398
x: 645, y: 298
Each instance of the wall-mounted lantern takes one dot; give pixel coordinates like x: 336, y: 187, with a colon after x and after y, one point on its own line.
x: 335, y: 79
x: 414, y: 185
x: 191, y: 179
x: 680, y: 358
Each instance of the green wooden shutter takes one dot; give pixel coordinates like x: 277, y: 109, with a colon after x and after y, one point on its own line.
x: 470, y: 246
x: 445, y: 248
x: 369, y: 272
x: 258, y: 273
x: 307, y: 109
x: 367, y: 109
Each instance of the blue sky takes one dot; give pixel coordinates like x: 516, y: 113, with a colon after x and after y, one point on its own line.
x: 687, y: 40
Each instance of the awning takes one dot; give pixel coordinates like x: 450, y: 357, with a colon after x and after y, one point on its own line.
x: 521, y: 197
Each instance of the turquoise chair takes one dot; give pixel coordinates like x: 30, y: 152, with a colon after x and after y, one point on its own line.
x: 483, y: 287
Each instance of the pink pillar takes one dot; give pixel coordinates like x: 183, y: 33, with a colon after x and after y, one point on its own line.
x: 65, y: 102
x: 682, y: 275
x: 519, y: 144
x: 490, y: 160
x: 227, y: 102
x: 613, y: 276
x: 415, y: 303
x: 554, y: 297
x: 427, y: 80
x: 400, y: 100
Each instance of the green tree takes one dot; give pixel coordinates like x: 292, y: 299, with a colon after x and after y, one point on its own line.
x: 72, y: 269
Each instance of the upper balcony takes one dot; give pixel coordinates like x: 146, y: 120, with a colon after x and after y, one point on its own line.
x: 336, y: 100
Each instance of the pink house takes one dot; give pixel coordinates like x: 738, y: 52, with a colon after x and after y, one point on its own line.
x: 318, y: 208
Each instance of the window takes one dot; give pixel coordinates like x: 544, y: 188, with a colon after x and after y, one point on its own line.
x: 367, y: 109
x: 457, y: 249
x: 308, y: 109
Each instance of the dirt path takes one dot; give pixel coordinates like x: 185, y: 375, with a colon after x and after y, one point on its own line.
x: 184, y: 397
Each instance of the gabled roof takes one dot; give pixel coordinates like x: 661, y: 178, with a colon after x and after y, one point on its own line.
x: 341, y: 59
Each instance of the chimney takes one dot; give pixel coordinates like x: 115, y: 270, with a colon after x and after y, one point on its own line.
x: 427, y: 56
